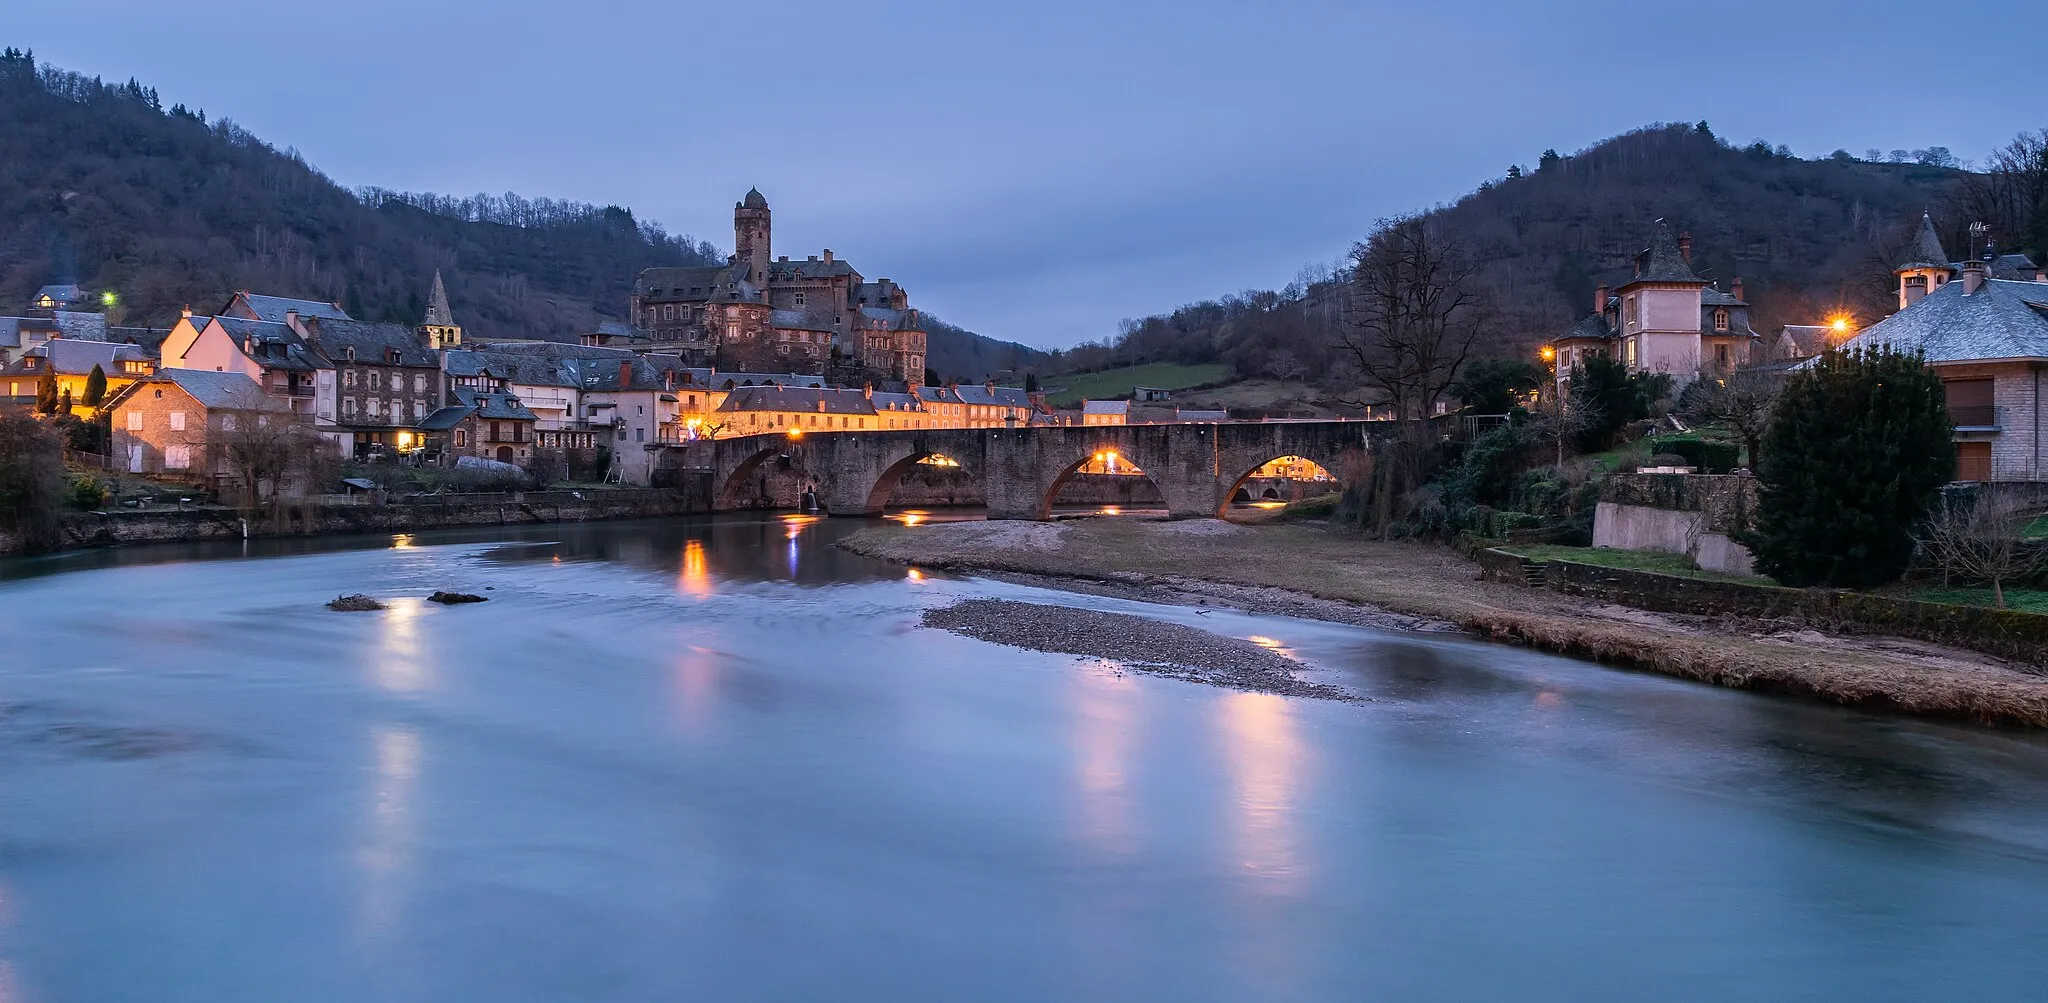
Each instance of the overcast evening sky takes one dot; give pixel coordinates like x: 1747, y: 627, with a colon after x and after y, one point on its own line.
x: 1037, y: 171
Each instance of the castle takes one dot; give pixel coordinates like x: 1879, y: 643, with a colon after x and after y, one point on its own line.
x: 759, y: 312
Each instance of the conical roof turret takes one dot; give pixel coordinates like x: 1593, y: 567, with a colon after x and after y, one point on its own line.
x: 438, y: 314
x: 1926, y: 250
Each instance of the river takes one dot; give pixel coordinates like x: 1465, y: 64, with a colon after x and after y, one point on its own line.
x: 720, y: 760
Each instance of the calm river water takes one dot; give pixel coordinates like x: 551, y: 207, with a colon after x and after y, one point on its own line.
x: 721, y: 761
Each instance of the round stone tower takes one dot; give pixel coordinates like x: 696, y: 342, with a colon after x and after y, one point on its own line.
x: 750, y: 240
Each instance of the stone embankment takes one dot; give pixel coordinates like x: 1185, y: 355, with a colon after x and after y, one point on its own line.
x: 1321, y: 573
x: 157, y: 525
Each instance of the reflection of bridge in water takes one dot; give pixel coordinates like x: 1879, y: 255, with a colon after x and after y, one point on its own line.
x: 1197, y: 468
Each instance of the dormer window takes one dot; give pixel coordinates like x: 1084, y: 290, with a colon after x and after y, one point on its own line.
x: 1721, y: 320
x: 349, y: 353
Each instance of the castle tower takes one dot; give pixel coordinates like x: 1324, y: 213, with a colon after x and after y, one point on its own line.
x: 1926, y: 267
x: 439, y: 328
x: 750, y: 230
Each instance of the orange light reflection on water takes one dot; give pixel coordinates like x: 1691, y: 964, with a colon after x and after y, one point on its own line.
x: 1265, y: 761
x: 696, y: 574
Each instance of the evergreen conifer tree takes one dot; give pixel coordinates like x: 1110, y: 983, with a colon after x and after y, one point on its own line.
x: 96, y: 387
x: 1858, y: 447
x: 46, y: 392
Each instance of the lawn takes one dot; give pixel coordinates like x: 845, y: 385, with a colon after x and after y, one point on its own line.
x: 1659, y: 561
x: 1072, y: 388
x: 2022, y: 600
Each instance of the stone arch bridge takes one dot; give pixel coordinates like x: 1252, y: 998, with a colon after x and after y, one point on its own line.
x: 1195, y: 466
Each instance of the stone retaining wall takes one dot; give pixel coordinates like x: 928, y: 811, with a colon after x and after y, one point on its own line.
x: 2008, y: 634
x: 1697, y: 515
x: 98, y: 529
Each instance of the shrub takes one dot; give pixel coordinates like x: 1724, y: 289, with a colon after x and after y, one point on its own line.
x: 1668, y: 460
x: 87, y: 493
x: 1706, y: 455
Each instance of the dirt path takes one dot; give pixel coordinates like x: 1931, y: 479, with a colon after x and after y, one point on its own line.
x: 1308, y: 571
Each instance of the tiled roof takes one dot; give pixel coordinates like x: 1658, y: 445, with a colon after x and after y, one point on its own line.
x: 1925, y: 251
x: 2002, y: 320
x: 797, y: 399
x: 1106, y: 407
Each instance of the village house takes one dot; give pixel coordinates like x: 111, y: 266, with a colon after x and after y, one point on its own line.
x: 1663, y: 318
x: 73, y: 361
x: 183, y: 424
x: 487, y: 424
x: 1105, y: 412
x: 1987, y: 337
x: 981, y: 406
x: 797, y: 410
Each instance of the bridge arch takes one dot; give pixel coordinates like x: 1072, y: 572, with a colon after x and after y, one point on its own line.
x: 1112, y: 455
x: 1243, y: 467
x: 763, y: 477
x: 891, y: 476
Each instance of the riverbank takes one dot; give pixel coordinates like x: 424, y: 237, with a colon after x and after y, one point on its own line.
x: 1306, y: 570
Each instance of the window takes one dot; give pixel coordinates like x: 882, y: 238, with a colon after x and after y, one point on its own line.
x: 419, y: 383
x: 348, y: 407
x: 134, y: 421
x: 1721, y: 320
x: 639, y: 435
x: 1628, y: 311
x: 373, y: 406
x: 178, y: 457
x: 348, y: 377
x: 461, y: 437
x: 376, y: 380
x: 419, y: 410
x: 177, y: 421
x: 1721, y: 356
x: 799, y: 299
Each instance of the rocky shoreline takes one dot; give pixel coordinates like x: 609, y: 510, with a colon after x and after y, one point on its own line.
x: 1309, y: 571
x: 1166, y: 649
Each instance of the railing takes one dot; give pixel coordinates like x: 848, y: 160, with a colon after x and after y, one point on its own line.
x: 284, y: 391
x: 1976, y: 417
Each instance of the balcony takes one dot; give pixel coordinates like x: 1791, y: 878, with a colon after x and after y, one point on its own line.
x: 1976, y: 417
x: 281, y: 390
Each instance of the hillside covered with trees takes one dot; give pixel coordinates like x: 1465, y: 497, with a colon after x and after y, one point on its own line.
x: 104, y: 186
x: 1808, y: 237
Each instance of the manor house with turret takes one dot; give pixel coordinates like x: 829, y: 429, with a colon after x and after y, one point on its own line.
x: 757, y: 311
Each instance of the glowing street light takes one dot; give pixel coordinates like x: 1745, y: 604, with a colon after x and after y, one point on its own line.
x: 1549, y: 354
x: 108, y: 298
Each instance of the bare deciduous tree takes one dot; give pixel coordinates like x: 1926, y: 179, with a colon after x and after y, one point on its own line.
x: 1982, y: 539
x: 1416, y: 309
x: 2010, y: 193
x: 1741, y: 401
x: 266, y: 449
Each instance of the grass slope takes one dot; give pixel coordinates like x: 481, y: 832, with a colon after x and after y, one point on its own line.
x: 1073, y: 388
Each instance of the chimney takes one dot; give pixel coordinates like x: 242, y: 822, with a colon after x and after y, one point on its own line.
x: 625, y: 374
x: 1735, y: 289
x: 185, y: 313
x: 1685, y: 246
x: 989, y: 386
x: 868, y: 390
x: 828, y: 255
x: 1973, y: 277
x: 1600, y: 299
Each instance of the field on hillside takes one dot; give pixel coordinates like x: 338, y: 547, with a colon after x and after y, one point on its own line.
x: 1073, y: 388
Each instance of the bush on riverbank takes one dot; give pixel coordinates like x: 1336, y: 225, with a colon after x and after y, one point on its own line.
x: 32, y: 482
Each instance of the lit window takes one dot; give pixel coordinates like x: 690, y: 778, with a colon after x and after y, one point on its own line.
x: 1720, y: 320
x: 177, y: 421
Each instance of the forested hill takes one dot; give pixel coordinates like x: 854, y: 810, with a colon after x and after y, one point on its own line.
x: 1807, y: 237
x: 102, y: 185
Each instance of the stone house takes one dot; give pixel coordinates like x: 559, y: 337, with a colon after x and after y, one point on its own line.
x: 177, y: 424
x: 1987, y: 338
x: 488, y: 424
x: 1105, y: 412
x: 981, y: 406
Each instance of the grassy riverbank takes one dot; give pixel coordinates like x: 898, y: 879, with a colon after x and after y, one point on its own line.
x: 1431, y: 582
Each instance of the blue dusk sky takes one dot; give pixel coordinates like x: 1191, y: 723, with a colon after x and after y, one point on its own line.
x: 1039, y: 171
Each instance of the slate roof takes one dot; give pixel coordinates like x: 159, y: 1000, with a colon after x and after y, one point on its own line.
x: 725, y: 283
x: 1662, y: 262
x: 1106, y: 407
x: 754, y: 199
x: 1805, y: 339
x: 79, y: 325
x: 1711, y: 296
x: 1592, y: 328
x: 499, y: 406
x: 897, y: 402
x: 445, y: 418
x: 893, y: 320
x: 67, y: 293
x: 233, y: 391
x: 373, y: 343
x: 1200, y: 415
x: 438, y: 314
x: 76, y: 358
x: 880, y: 292
x: 772, y: 398
x: 149, y: 339
x: 274, y: 308
x: 999, y: 396
x: 809, y: 268
x: 2017, y: 267
x: 799, y: 320
x: 1925, y: 251
x: 2002, y: 320
x: 275, y: 345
